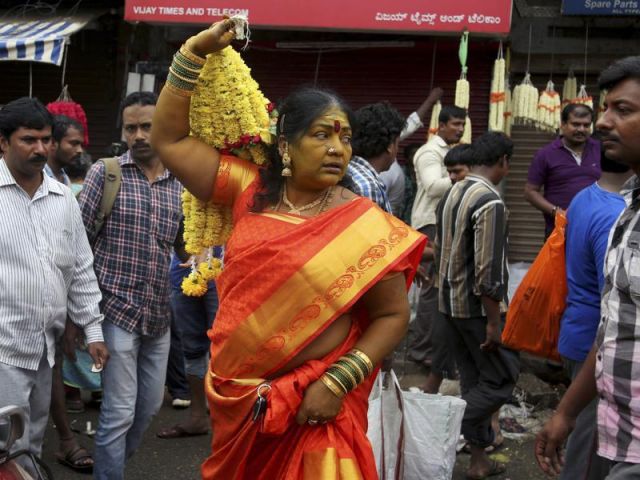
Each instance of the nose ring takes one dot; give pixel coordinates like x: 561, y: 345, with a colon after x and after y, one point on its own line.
x: 331, y: 150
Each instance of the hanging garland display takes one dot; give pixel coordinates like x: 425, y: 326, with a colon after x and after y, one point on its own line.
x: 434, y: 122
x: 549, y: 109
x: 462, y: 87
x: 583, y: 97
x: 569, y: 90
x: 65, y: 105
x: 498, y: 95
x: 525, y: 103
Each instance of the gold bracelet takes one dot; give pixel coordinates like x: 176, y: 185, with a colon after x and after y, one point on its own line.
x: 336, y: 380
x: 184, y: 79
x: 364, y: 357
x: 359, y: 371
x: 335, y: 389
x: 178, y: 91
x: 362, y: 365
x: 345, y: 379
x: 350, y: 375
x: 179, y: 61
x: 184, y: 50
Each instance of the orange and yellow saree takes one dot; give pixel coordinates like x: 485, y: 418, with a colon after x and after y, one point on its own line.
x: 286, y: 279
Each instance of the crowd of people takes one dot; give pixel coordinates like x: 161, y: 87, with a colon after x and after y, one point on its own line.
x: 279, y: 356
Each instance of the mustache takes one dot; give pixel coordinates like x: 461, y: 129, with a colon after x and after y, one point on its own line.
x: 608, y: 138
x: 140, y: 145
x: 38, y: 159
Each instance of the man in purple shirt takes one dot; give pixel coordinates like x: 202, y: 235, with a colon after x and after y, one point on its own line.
x: 565, y: 166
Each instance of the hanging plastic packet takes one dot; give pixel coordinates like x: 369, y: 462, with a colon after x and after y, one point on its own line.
x: 242, y: 30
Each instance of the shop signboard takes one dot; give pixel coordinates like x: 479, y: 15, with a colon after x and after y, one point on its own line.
x: 601, y: 7
x: 409, y: 16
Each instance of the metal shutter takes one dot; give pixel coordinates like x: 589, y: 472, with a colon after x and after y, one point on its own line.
x: 526, y: 225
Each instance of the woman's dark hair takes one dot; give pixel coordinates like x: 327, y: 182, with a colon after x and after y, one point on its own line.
x: 62, y: 123
x: 379, y: 126
x: 490, y: 147
x: 24, y: 112
x: 451, y: 111
x: 296, y: 114
x: 618, y: 71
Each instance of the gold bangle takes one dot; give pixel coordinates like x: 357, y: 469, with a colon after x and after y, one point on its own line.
x: 178, y: 91
x: 362, y: 365
x: 344, y: 378
x: 335, y: 389
x: 179, y: 61
x: 348, y: 373
x: 337, y: 381
x: 184, y: 50
x: 360, y: 373
x: 364, y: 357
x: 184, y: 79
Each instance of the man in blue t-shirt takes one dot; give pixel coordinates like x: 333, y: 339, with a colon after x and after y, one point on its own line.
x: 590, y: 217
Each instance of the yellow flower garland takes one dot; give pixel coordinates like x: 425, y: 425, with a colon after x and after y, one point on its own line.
x: 229, y: 112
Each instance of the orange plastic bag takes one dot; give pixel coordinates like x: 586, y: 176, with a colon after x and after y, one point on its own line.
x: 533, y: 319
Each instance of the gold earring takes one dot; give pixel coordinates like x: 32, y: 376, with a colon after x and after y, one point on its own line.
x: 286, y: 164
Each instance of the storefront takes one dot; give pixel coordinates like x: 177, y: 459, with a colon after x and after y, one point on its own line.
x: 366, y: 51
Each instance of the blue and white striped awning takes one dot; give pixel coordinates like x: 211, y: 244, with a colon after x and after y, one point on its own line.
x: 37, y: 40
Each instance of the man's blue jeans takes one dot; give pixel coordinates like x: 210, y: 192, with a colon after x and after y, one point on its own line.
x: 133, y: 388
x: 192, y: 318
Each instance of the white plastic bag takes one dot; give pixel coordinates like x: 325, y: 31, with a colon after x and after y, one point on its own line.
x: 385, y: 429
x: 417, y: 435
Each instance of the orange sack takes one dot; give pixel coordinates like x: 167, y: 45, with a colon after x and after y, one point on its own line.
x: 533, y: 319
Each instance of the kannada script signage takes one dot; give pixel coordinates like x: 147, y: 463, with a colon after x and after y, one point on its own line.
x: 411, y: 16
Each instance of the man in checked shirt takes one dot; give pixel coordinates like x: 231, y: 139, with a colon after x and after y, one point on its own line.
x: 132, y: 255
x: 612, y: 368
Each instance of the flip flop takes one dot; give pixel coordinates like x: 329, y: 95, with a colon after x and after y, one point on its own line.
x: 178, y: 431
x: 496, y: 468
x: 74, y: 459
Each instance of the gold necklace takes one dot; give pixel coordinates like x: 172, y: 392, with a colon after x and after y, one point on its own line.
x: 298, y: 210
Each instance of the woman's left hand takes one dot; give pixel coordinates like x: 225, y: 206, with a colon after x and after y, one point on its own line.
x: 319, y: 405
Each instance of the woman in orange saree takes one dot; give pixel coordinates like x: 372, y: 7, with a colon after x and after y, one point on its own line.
x: 312, y: 274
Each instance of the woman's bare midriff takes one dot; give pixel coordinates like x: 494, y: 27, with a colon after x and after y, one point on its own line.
x: 326, y: 342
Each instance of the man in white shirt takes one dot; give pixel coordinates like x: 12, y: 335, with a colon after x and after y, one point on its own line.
x: 433, y: 181
x: 394, y: 178
x: 46, y: 271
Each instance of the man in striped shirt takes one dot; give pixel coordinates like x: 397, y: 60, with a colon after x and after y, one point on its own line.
x: 611, y: 368
x: 46, y: 271
x: 471, y: 255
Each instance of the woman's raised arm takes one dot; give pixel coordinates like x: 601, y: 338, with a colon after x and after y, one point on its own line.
x: 191, y: 160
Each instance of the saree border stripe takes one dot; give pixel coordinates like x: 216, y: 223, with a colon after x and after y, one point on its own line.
x: 338, y: 274
x: 284, y: 218
x: 327, y: 465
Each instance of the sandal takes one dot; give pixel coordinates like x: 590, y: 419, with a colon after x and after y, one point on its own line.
x: 496, y: 468
x: 76, y: 459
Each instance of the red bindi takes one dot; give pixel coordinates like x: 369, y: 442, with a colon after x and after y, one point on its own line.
x: 336, y: 126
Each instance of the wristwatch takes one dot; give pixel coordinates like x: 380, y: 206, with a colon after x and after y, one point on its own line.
x: 554, y: 211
